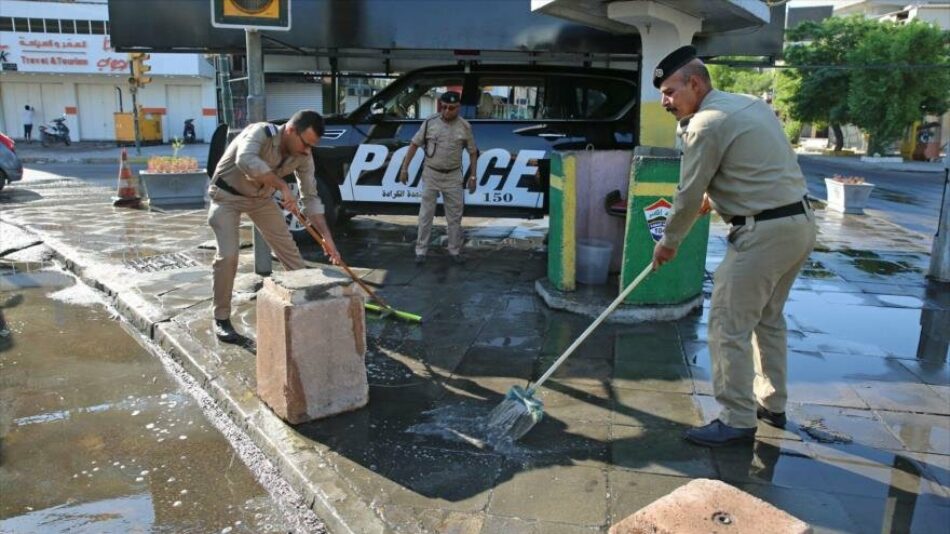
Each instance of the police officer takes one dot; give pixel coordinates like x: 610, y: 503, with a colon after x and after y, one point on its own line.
x: 250, y: 171
x: 737, y: 161
x: 442, y: 137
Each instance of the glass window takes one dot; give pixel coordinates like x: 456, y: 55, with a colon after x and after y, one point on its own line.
x: 6, y: 24
x: 510, y: 98
x: 20, y: 25
x: 67, y: 26
x: 52, y: 25
x: 98, y: 26
x: 597, y: 98
x: 36, y: 26
x: 418, y: 98
x: 82, y: 26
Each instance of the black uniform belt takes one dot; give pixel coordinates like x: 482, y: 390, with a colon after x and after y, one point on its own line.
x: 795, y: 208
x: 227, y: 187
x: 443, y: 170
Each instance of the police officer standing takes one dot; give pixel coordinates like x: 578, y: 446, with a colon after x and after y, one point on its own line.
x: 737, y: 161
x: 250, y: 171
x: 442, y: 137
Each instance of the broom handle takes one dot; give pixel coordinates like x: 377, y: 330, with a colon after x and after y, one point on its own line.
x: 613, y: 305
x: 316, y: 235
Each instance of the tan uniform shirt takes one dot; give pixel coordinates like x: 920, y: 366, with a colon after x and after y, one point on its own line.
x: 254, y: 153
x: 734, y: 148
x: 443, y: 141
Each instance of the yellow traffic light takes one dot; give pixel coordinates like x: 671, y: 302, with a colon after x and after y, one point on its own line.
x: 251, y: 14
x: 139, y: 68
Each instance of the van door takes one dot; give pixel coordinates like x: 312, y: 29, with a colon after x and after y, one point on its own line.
x: 399, y: 112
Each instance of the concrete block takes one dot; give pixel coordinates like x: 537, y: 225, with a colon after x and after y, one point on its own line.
x: 705, y: 506
x: 311, y: 345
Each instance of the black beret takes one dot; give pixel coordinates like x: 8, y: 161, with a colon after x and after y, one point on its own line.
x: 450, y: 97
x: 672, y: 63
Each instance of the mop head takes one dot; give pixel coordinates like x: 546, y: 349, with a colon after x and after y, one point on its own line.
x: 515, y: 416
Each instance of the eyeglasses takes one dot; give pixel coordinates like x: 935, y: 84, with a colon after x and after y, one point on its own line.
x: 305, y: 143
x: 450, y: 107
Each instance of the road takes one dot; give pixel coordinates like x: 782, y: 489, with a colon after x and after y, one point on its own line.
x: 909, y: 199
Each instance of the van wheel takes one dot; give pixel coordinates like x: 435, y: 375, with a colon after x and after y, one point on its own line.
x: 332, y: 209
x: 297, y: 230
x: 3, y: 180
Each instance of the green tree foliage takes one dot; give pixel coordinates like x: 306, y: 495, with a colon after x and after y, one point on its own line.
x: 884, y: 101
x: 859, y: 71
x: 745, y: 80
x: 821, y: 86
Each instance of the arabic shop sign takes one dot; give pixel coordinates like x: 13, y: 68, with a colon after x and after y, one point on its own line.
x: 55, y: 53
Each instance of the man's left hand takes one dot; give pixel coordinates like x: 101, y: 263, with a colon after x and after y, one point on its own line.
x: 662, y: 255
x: 471, y: 184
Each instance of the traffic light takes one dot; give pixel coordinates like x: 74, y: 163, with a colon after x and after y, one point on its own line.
x: 139, y: 69
x: 251, y: 14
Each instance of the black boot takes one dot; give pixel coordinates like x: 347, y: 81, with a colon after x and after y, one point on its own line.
x: 776, y: 419
x: 225, y: 331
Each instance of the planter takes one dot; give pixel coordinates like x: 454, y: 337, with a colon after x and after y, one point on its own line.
x: 174, y: 189
x: 847, y: 198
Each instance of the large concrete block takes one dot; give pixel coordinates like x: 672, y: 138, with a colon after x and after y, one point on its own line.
x: 705, y: 506
x: 311, y: 345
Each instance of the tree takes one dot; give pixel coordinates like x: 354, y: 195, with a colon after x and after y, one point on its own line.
x: 905, y: 75
x: 745, y: 80
x: 821, y: 80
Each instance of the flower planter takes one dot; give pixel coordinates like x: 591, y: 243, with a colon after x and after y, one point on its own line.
x: 847, y: 198
x: 174, y: 189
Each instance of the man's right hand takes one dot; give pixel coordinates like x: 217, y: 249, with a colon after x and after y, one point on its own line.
x: 404, y: 176
x: 287, y: 199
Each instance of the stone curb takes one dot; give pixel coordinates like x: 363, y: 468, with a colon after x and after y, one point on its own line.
x: 302, y: 463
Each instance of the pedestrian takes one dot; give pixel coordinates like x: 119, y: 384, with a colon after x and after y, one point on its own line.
x: 28, y: 123
x: 442, y: 137
x: 249, y: 172
x: 737, y: 161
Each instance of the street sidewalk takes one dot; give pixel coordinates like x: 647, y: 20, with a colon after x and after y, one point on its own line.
x: 857, y: 165
x: 867, y: 448
x: 101, y: 152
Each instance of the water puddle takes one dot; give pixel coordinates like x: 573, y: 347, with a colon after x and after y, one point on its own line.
x: 884, y: 268
x: 467, y: 423
x: 817, y: 429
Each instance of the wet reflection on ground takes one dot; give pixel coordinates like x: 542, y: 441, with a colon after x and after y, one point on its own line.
x: 96, y: 437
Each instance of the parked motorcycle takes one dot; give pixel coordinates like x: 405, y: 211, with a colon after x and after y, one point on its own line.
x: 54, y: 132
x: 189, y: 134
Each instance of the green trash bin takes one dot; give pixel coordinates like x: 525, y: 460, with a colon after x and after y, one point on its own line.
x: 654, y: 175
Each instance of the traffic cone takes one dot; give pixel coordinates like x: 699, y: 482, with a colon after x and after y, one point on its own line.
x: 127, y: 195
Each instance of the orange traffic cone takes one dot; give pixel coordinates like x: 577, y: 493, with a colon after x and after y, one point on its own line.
x: 127, y: 195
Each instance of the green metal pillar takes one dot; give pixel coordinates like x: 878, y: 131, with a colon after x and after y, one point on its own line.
x: 562, y: 223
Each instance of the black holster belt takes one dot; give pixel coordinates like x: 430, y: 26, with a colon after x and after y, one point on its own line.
x: 443, y: 170
x: 227, y: 187
x: 795, y: 208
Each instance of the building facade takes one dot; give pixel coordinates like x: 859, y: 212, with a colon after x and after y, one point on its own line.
x: 57, y: 58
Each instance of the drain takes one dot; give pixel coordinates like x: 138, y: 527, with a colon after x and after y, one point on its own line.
x: 722, y: 518
x: 161, y: 262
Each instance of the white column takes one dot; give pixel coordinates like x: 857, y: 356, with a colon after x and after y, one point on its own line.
x: 662, y: 30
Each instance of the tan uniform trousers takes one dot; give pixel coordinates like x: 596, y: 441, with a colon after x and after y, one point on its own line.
x: 747, y: 333
x: 449, y: 185
x: 224, y: 216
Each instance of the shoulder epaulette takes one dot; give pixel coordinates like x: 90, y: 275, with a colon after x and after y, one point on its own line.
x: 270, y: 130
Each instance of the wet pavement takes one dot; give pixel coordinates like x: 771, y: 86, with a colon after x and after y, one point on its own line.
x: 96, y: 437
x: 867, y: 449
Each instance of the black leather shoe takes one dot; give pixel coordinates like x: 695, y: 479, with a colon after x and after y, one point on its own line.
x: 458, y: 259
x: 776, y: 419
x: 225, y: 331
x: 719, y: 434
x: 420, y: 259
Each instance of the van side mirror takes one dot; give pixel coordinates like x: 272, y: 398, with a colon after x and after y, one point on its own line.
x: 377, y: 109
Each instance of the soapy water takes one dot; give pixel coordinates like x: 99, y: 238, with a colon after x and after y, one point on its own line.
x: 467, y: 423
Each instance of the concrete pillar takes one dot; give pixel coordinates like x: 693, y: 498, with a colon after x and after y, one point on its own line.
x: 705, y: 506
x: 662, y: 30
x: 940, y: 253
x: 311, y: 345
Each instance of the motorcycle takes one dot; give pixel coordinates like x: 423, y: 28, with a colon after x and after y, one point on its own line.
x: 189, y: 134
x: 54, y: 132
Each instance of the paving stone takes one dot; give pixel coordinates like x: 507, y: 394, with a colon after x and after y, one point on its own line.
x: 863, y: 427
x: 920, y: 432
x: 630, y: 491
x: 634, y: 407
x: 704, y: 505
x: 564, y: 494
x: 661, y: 451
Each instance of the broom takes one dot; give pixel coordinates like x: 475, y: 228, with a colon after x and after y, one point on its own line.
x: 520, y: 411
x: 383, y: 307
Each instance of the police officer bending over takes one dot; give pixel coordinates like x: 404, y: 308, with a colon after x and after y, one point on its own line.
x: 250, y: 171
x: 737, y: 161
x: 442, y: 137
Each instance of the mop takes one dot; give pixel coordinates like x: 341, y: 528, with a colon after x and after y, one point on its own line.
x: 381, y: 305
x: 520, y: 411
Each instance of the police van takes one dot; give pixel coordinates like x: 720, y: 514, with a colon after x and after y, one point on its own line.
x: 519, y: 115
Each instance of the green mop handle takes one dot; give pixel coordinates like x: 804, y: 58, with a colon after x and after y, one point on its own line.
x: 613, y: 305
x: 398, y: 313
